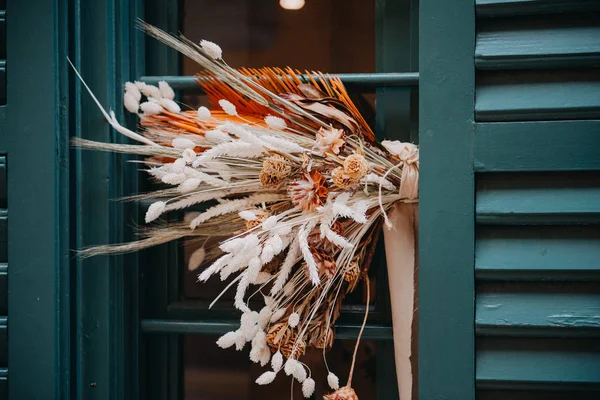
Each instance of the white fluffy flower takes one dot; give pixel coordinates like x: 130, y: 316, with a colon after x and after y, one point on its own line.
x: 170, y: 105
x: 300, y: 373
x: 173, y: 178
x: 228, y: 339
x: 275, y: 122
x: 189, y: 185
x: 165, y: 90
x: 308, y: 388
x: 290, y: 366
x: 151, y: 108
x: 247, y: 215
x: 266, y: 378
x: 155, y: 210
x: 212, y: 49
x: 277, y: 315
x: 228, y: 107
x: 277, y: 361
x: 264, y: 357
x: 149, y: 90
x: 133, y: 90
x: 183, y: 143
x: 177, y: 166
x: 248, y: 319
x: 294, y: 319
x: 196, y: 259
x: 269, y: 223
x: 217, y: 136
x: 131, y: 104
x: 333, y: 381
x: 189, y: 156
x: 203, y: 113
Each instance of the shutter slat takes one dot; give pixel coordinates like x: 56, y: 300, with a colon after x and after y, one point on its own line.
x: 537, y: 146
x: 515, y: 363
x: 536, y: 95
x: 562, y: 253
x: 538, y: 198
x: 543, y: 42
x: 532, y: 309
x: 497, y: 8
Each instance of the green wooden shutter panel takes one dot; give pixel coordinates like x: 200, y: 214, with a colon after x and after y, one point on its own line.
x: 537, y: 199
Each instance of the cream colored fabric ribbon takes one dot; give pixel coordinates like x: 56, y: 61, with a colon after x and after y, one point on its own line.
x: 401, y: 255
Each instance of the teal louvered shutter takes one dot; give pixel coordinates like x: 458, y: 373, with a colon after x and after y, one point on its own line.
x: 510, y: 134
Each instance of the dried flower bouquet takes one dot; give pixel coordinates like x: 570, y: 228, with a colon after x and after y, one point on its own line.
x: 295, y: 187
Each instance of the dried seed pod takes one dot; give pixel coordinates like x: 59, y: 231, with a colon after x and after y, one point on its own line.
x: 343, y: 393
x: 278, y: 335
x: 352, y: 275
x: 325, y: 262
x: 294, y: 348
x: 325, y: 337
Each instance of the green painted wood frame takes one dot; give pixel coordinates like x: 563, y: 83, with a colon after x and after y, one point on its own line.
x: 446, y: 209
x: 108, y: 50
x: 36, y: 141
x: 73, y: 331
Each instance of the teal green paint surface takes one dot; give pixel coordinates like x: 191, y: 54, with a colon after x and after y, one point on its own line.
x: 562, y: 253
x: 446, y: 200
x: 530, y: 363
x: 537, y: 292
x: 503, y: 8
x: 539, y: 198
x: 546, y: 42
x: 38, y: 194
x: 104, y: 50
x: 538, y: 309
x: 537, y: 146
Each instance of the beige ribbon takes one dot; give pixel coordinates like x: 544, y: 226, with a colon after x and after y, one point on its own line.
x: 401, y: 255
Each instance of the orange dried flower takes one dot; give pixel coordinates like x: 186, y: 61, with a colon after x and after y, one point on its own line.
x: 343, y: 393
x: 331, y: 139
x: 310, y: 192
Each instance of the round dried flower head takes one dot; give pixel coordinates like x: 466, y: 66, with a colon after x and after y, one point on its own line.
x: 330, y: 140
x: 165, y: 90
x: 356, y: 166
x: 212, y: 49
x: 203, y: 113
x: 130, y: 102
x: 341, y: 179
x: 294, y: 319
x: 277, y: 166
x: 228, y: 107
x: 267, y: 179
x: 310, y: 192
